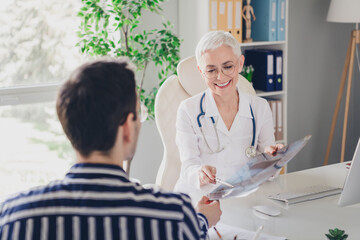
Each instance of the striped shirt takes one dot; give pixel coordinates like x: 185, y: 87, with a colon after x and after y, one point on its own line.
x: 97, y: 201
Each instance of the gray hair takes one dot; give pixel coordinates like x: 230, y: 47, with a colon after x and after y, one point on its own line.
x: 215, y: 39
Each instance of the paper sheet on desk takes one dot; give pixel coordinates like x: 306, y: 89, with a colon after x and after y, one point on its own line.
x: 229, y: 232
x: 258, y: 170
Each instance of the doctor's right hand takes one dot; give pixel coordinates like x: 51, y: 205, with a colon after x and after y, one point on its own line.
x: 207, y: 174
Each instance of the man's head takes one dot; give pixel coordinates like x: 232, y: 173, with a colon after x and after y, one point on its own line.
x: 98, y: 99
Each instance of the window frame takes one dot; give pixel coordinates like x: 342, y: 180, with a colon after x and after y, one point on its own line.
x: 28, y: 94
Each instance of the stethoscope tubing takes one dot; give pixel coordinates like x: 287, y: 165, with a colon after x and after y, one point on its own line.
x: 202, y: 113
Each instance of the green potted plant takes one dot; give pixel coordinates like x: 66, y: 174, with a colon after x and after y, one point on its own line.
x: 111, y: 28
x: 336, y: 234
x: 247, y: 72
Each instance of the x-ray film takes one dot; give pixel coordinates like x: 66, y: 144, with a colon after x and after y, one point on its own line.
x: 258, y: 169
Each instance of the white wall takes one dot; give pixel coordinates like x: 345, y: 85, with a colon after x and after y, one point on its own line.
x: 149, y: 152
x: 317, y: 51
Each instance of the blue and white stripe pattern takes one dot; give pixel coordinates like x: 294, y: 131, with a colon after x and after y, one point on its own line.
x: 97, y: 201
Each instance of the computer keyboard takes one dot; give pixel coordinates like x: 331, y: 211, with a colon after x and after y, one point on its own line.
x: 306, y: 194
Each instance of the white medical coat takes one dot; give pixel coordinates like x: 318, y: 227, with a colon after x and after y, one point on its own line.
x: 193, y: 150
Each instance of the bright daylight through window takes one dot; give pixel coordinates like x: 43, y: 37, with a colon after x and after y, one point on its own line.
x: 37, y: 52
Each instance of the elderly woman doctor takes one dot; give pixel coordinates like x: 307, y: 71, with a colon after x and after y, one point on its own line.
x: 218, y: 130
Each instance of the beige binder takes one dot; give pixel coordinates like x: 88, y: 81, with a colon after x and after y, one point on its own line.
x: 237, y: 20
x: 272, y: 104
x: 222, y: 15
x: 213, y: 21
x: 229, y: 14
x: 279, y: 120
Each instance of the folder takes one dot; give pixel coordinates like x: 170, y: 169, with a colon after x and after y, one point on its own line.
x: 264, y: 27
x: 221, y: 15
x: 278, y: 70
x: 263, y: 62
x: 281, y: 11
x: 213, y: 21
x: 229, y: 14
x: 273, y: 107
x: 279, y: 120
x: 237, y: 23
x: 272, y: 104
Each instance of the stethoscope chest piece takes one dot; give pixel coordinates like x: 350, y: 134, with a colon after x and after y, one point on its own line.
x: 250, y: 152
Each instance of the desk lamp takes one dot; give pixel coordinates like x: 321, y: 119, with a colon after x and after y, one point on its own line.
x: 344, y: 11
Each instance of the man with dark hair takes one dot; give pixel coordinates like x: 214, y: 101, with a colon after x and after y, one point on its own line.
x: 99, y: 110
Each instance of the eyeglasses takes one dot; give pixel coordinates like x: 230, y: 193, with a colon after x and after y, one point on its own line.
x: 143, y: 112
x: 227, y: 69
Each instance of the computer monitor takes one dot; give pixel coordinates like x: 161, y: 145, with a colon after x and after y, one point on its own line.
x: 351, y: 191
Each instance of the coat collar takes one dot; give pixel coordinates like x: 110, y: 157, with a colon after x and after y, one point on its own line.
x: 211, y: 109
x: 244, y: 105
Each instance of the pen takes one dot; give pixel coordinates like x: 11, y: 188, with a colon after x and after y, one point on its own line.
x: 223, y: 182
x: 258, y: 231
x: 217, y: 232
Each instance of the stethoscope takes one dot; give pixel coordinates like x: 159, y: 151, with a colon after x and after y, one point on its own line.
x: 249, y: 151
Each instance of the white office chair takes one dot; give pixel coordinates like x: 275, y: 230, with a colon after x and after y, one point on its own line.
x: 174, y: 90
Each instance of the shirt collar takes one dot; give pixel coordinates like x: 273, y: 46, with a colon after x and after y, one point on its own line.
x: 244, y: 105
x: 211, y: 109
x: 97, y: 170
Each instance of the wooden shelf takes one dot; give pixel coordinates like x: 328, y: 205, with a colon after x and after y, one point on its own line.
x: 256, y: 44
x: 268, y: 94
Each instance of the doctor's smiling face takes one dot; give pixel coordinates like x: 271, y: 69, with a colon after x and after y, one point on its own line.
x: 220, y: 69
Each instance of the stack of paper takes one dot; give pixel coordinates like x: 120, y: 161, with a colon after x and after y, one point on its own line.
x: 229, y: 232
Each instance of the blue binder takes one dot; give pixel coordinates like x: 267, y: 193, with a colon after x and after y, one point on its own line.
x: 264, y: 27
x: 281, y: 16
x: 263, y: 62
x: 278, y: 69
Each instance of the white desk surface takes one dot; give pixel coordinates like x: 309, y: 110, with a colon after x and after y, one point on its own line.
x: 306, y: 220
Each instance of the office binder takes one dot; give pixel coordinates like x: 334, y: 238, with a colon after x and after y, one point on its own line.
x: 272, y: 104
x: 221, y: 15
x: 281, y: 11
x: 237, y: 23
x: 264, y: 27
x: 229, y: 14
x: 213, y: 21
x: 279, y: 120
x: 278, y: 70
x: 263, y: 62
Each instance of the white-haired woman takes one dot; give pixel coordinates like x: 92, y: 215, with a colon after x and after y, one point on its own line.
x: 218, y: 130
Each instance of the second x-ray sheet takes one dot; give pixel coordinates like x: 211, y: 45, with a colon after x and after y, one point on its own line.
x: 257, y: 171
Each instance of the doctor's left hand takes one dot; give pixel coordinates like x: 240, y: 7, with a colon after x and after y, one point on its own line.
x: 207, y: 174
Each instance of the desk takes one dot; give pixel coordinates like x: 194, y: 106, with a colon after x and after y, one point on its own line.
x: 302, y: 221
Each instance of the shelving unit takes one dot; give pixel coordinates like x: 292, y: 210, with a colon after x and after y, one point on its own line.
x: 194, y: 23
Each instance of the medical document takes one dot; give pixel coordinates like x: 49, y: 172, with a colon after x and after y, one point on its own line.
x: 258, y: 170
x: 229, y: 232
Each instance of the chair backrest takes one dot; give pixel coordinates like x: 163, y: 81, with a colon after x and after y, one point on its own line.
x: 174, y: 90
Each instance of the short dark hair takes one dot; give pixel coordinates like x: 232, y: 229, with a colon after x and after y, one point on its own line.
x: 94, y: 102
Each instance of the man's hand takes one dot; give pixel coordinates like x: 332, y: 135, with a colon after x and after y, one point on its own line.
x: 211, y: 210
x: 207, y: 175
x: 272, y: 150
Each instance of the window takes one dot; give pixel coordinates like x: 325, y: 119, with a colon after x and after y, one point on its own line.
x: 37, y: 40
x: 34, y: 149
x: 37, y: 52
